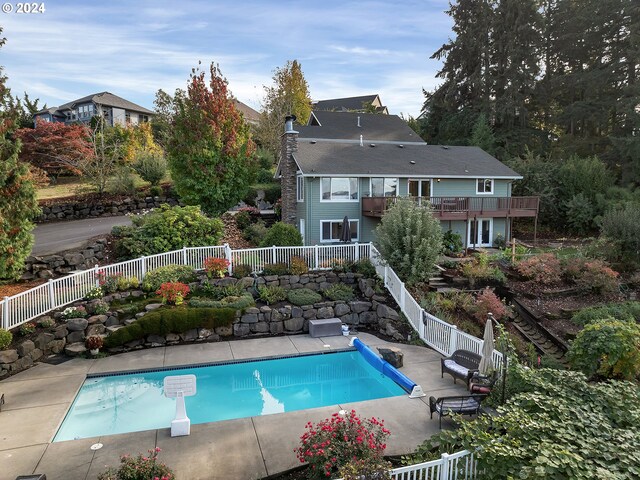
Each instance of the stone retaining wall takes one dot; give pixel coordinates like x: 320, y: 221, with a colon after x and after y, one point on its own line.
x: 93, y: 209
x: 373, y: 312
x: 51, y: 266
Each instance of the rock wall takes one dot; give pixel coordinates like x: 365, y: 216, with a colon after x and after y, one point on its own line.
x: 50, y: 266
x: 111, y: 208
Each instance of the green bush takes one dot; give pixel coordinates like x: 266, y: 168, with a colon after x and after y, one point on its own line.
x: 123, y: 182
x: 255, y: 232
x: 339, y: 291
x: 156, y: 191
x: 275, y: 269
x: 241, y: 271
x: 217, y: 292
x: 152, y: 167
x: 272, y: 193
x: 282, y: 235
x: 271, y: 294
x: 165, y: 229
x: 168, y: 273
x: 607, y: 348
x: 243, y: 219
x: 171, y: 320
x: 410, y: 239
x: 5, y: 338
x: 303, y: 296
x: 239, y: 302
x: 452, y: 242
x: 626, y: 311
x: 366, y: 268
x: 621, y: 228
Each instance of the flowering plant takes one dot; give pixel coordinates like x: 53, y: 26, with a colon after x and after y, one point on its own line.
x: 94, y: 293
x: 338, y: 440
x: 173, y: 292
x: 74, y: 312
x: 27, y: 328
x: 109, y: 282
x: 94, y: 342
x: 216, y: 267
x: 139, y: 468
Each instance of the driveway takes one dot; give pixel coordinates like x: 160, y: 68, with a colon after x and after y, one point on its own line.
x: 57, y: 237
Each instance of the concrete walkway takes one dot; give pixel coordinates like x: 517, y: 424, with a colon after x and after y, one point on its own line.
x: 249, y: 448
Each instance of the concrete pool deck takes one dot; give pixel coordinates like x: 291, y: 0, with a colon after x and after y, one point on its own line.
x: 247, y: 448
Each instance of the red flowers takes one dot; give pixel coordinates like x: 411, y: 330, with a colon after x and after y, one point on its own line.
x: 216, y: 267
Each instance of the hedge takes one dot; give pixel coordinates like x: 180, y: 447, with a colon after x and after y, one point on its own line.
x: 236, y: 302
x: 173, y: 320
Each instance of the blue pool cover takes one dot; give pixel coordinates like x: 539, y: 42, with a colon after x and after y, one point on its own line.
x: 383, y: 366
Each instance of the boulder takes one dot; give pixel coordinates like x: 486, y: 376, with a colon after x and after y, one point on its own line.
x: 204, y: 333
x: 350, y: 319
x: 294, y: 324
x: 57, y: 346
x: 241, y: 329
x: 21, y: 364
x: 224, y: 331
x: 189, y: 335
x: 250, y: 318
x: 60, y: 331
x: 36, y: 354
x: 152, y: 306
x: 43, y: 340
x: 260, y: 327
x: 172, y: 337
x: 25, y: 348
x: 111, y: 321
x: 392, y: 355
x: 77, y: 324
x: 97, y: 329
x: 276, y: 327
x: 341, y: 309
x: 385, y: 312
x: 359, y: 306
x: 97, y: 319
x: 296, y: 311
x: 368, y: 318
x: 8, y: 356
x: 325, y: 312
x: 156, y: 339
x: 74, y: 337
x: 75, y: 349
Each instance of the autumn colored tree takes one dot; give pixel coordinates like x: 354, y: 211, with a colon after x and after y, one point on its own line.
x: 18, y: 205
x: 55, y: 147
x: 133, y: 139
x: 210, y: 151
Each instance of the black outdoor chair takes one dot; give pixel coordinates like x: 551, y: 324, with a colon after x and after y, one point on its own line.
x: 461, y: 404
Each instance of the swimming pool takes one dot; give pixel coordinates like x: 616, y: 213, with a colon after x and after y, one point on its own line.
x: 132, y: 402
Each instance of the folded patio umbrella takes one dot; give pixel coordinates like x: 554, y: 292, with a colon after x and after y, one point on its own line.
x: 346, y: 230
x: 486, y: 363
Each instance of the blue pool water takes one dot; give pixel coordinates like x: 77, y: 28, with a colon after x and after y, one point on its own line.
x: 134, y: 402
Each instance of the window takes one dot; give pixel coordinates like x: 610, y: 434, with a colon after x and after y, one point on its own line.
x: 331, y: 230
x: 127, y: 117
x: 339, y: 189
x: 384, y: 187
x: 300, y: 188
x: 484, y: 186
x: 142, y: 118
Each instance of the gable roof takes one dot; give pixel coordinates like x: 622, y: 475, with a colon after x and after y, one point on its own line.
x: 393, y: 160
x: 107, y: 99
x: 344, y: 126
x: 250, y: 115
x: 347, y: 103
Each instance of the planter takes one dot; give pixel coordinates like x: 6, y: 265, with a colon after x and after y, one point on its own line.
x: 94, y: 351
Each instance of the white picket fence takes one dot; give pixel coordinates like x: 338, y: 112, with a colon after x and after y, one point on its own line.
x: 456, y: 466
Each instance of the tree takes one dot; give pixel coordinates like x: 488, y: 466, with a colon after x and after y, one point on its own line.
x: 482, y: 135
x: 55, y: 147
x: 27, y: 108
x: 289, y: 95
x: 409, y: 237
x: 210, y: 151
x: 133, y: 139
x: 102, y: 162
x: 18, y: 205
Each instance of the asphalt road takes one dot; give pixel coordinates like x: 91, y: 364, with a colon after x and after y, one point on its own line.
x: 57, y: 237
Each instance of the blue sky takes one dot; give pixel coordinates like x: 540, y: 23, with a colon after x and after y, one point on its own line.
x: 133, y: 48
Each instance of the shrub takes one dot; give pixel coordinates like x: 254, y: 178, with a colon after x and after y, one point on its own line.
x: 168, y: 273
x: 6, y: 337
x: 479, y: 270
x: 139, y: 468
x: 303, y: 296
x: 608, y: 348
x: 339, y: 291
x: 499, y: 241
x: 134, y: 282
x: 271, y: 191
x: 365, y: 469
x: 155, y: 191
x: 242, y: 270
x: 246, y: 216
x: 94, y: 342
x: 271, y: 294
x: 165, y: 229
x: 171, y: 320
x: 544, y: 268
x: 123, y: 182
x: 410, y: 239
x: 340, y: 265
x: 216, y: 292
x: 275, y: 269
x: 100, y: 308
x: 256, y: 232
x: 216, y: 267
x: 152, y: 167
x: 94, y: 293
x: 366, y: 268
x: 173, y: 293
x: 74, y: 312
x: 452, y: 242
x: 591, y: 275
x: 627, y: 311
x: 239, y: 302
x: 338, y: 440
x: 123, y: 283
x: 109, y: 282
x: 27, y: 328
x: 298, y: 266
x: 621, y: 227
x: 488, y: 302
x: 45, y: 322
x: 282, y: 235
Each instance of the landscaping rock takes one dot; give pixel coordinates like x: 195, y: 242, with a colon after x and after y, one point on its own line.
x: 359, y: 306
x: 114, y: 328
x: 224, y: 331
x: 129, y: 321
x: 325, y: 312
x: 294, y: 324
x: 75, y: 349
x: 97, y: 319
x: 350, y: 319
x: 189, y: 335
x: 61, y: 331
x: 341, y: 309
x: 25, y: 348
x: 97, y: 329
x: 250, y: 318
x: 77, y: 324
x: 296, y: 311
x: 74, y: 337
x: 156, y: 339
x: 21, y: 364
x: 152, y: 306
x: 111, y: 321
x: 311, y: 313
x: 8, y: 356
x: 386, y: 312
x: 172, y: 338
x: 36, y: 354
x: 260, y: 327
x: 276, y: 328
x: 246, y: 282
x: 43, y: 340
x: 57, y: 346
x: 140, y: 314
x: 241, y: 329
x: 393, y: 355
x: 204, y: 333
x: 368, y: 318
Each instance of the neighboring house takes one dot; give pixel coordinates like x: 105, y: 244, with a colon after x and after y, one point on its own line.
x: 115, y: 110
x: 250, y: 115
x: 355, y: 165
x: 362, y: 104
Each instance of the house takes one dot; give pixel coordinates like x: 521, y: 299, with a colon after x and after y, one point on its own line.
x: 115, y: 110
x: 355, y: 164
x: 362, y: 104
x: 251, y: 116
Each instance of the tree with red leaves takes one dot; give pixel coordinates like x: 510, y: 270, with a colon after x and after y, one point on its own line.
x: 210, y: 151
x: 55, y: 147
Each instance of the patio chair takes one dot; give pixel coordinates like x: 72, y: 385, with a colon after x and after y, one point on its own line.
x: 482, y: 384
x: 460, y: 404
x: 461, y: 364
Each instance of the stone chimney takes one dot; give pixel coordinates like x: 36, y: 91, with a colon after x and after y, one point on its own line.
x: 288, y: 171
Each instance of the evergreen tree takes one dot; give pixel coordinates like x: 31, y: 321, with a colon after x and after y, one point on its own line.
x: 210, y: 151
x: 482, y: 135
x: 18, y: 205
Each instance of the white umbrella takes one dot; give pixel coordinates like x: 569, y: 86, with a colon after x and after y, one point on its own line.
x: 486, y: 363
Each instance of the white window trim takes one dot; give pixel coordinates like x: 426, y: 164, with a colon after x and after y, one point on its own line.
x: 340, y: 221
x: 492, y: 186
x: 300, y: 191
x: 357, y: 200
x: 383, y: 180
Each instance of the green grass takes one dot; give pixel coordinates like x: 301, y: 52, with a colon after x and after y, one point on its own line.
x: 65, y: 187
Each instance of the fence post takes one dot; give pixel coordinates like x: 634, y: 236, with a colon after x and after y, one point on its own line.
x: 356, y: 255
x: 444, y: 470
x: 184, y: 255
x: 513, y: 251
x: 227, y: 254
x: 453, y: 339
x: 385, y: 276
x: 273, y: 254
x: 5, y: 314
x: 317, y: 257
x: 52, y: 294
x: 95, y: 273
x: 143, y: 267
x: 402, y: 294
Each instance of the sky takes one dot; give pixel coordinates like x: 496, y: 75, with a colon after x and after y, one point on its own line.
x: 133, y: 48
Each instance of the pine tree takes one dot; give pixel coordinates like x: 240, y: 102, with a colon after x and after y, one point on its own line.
x: 482, y: 135
x: 18, y: 205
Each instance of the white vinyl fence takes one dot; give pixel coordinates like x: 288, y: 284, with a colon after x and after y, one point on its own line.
x: 456, y: 466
